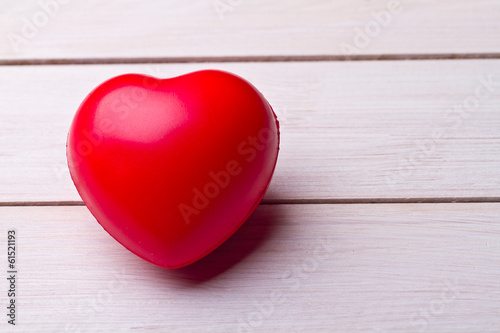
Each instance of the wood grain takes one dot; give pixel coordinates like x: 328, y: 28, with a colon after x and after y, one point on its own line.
x: 322, y: 268
x: 350, y: 130
x: 134, y: 29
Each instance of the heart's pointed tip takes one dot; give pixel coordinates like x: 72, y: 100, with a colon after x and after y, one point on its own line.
x: 171, y: 266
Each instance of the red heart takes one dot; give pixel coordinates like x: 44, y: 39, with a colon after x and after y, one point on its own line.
x: 172, y: 168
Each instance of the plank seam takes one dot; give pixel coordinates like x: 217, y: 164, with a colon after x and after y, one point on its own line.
x: 225, y: 59
x: 301, y: 201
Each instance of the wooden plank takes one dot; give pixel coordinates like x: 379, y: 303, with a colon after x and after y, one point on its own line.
x: 349, y: 129
x: 322, y: 268
x: 179, y: 28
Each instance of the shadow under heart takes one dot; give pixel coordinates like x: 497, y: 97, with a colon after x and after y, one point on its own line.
x: 254, y: 233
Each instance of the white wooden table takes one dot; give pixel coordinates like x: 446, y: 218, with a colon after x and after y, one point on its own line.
x: 384, y: 211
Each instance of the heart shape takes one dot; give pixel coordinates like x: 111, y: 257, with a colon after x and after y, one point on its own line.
x: 171, y: 168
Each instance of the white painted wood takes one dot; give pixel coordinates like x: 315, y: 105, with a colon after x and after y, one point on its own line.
x: 349, y: 129
x: 93, y: 29
x: 332, y: 268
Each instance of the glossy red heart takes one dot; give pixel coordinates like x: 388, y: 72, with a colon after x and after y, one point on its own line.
x: 172, y: 168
